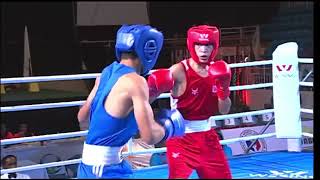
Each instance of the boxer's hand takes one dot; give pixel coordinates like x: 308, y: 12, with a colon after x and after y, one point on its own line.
x: 172, y: 121
x: 160, y: 81
x: 220, y: 74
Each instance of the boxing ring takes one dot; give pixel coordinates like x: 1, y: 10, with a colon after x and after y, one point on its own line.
x: 283, y: 164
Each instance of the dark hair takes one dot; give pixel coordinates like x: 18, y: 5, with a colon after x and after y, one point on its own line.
x: 127, y: 55
x: 3, y: 160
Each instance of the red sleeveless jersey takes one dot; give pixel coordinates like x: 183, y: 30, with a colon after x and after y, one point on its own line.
x: 199, y: 101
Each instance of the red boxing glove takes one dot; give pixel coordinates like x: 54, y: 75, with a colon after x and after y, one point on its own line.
x: 160, y: 81
x: 220, y: 74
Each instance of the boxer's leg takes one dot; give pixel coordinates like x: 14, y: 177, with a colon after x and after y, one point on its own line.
x: 84, y: 172
x: 119, y: 171
x: 178, y: 166
x: 122, y: 170
x: 214, y: 163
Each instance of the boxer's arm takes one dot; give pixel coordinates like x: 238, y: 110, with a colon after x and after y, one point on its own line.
x: 224, y: 105
x: 83, y: 114
x: 179, y: 78
x: 150, y: 131
x: 159, y: 81
x: 220, y: 75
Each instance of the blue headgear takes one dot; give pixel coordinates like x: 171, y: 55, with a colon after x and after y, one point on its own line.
x: 144, y: 40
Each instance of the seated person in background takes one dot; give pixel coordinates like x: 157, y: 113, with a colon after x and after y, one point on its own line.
x: 23, y: 131
x: 10, y: 161
x: 5, y: 134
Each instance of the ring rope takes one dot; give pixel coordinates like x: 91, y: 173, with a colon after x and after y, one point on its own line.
x: 83, y: 133
x: 305, y: 60
x: 307, y: 134
x: 242, y: 114
x: 304, y: 110
x: 89, y: 76
x: 48, y: 78
x: 44, y: 137
x: 251, y: 86
x: 78, y: 103
x: 147, y: 151
x: 150, y: 168
x: 41, y: 106
x: 94, y: 75
x: 307, y: 76
x: 157, y: 150
x: 247, y: 64
x: 40, y: 166
x: 310, y: 84
x: 163, y: 95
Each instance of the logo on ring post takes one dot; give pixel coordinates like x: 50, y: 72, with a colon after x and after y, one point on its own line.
x: 285, y: 70
x: 260, y: 145
x: 284, y: 67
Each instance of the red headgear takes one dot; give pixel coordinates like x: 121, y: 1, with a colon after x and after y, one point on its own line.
x: 203, y: 34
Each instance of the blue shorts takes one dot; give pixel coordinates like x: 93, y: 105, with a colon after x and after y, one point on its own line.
x: 117, y: 171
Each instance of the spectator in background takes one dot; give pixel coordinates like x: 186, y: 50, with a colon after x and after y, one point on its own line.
x: 23, y: 131
x: 8, y: 162
x: 5, y: 134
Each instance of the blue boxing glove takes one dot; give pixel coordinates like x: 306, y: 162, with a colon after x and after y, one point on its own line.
x: 172, y: 121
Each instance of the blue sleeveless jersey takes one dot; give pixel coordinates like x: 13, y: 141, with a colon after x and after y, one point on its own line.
x: 104, y: 129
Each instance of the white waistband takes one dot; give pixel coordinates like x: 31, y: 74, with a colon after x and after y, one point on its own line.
x: 197, y: 125
x: 101, y: 155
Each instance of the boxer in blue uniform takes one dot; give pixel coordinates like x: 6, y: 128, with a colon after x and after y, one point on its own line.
x: 118, y: 106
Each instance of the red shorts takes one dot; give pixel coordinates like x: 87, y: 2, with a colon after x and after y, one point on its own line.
x: 200, y: 151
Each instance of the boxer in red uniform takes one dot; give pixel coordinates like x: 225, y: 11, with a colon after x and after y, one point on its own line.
x: 200, y: 90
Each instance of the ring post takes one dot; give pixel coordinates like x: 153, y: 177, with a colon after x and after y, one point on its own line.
x: 286, y: 94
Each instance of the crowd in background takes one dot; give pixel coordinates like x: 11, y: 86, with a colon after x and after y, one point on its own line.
x: 22, y: 131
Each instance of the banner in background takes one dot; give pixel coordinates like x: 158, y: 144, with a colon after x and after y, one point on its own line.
x: 264, y: 144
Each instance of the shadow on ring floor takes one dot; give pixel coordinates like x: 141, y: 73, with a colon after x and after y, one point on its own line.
x: 266, y: 165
